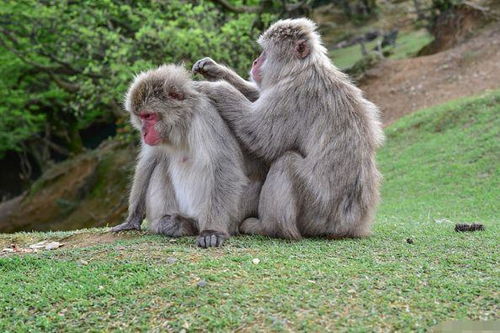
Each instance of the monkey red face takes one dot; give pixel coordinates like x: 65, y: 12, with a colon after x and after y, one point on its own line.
x: 256, y: 71
x: 149, y: 132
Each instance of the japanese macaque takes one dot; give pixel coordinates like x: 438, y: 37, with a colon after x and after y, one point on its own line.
x: 304, y: 117
x: 191, y: 177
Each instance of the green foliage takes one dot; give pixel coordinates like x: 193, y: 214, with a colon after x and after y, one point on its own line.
x: 68, y: 63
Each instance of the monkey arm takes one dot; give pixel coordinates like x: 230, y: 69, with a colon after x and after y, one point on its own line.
x: 213, y: 71
x: 247, y: 88
x: 225, y: 180
x: 261, y: 132
x: 137, y: 198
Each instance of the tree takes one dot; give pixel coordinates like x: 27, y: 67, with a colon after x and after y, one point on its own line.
x: 67, y: 63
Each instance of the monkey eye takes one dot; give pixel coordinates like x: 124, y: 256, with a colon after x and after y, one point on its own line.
x: 148, y: 116
x: 176, y: 95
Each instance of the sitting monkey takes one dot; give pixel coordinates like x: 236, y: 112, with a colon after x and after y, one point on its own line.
x: 315, y: 128
x: 191, y: 177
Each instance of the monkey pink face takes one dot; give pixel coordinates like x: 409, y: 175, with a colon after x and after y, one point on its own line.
x: 256, y: 71
x: 149, y: 132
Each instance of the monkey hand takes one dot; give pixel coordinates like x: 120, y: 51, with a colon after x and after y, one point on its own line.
x: 131, y: 224
x: 211, y: 238
x: 209, y: 69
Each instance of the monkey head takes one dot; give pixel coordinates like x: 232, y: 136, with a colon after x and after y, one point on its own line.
x: 160, y: 103
x: 289, y: 44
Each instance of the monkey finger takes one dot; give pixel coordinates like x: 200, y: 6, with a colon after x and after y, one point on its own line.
x: 201, y: 65
x: 201, y: 242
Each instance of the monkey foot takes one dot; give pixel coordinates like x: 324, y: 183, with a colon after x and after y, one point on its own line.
x: 126, y: 226
x: 211, y: 238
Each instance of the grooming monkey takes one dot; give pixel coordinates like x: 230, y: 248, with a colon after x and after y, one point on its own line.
x: 302, y: 115
x: 191, y: 177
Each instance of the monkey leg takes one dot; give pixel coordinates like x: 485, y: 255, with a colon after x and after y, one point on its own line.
x: 249, y: 205
x: 278, y: 204
x: 175, y: 225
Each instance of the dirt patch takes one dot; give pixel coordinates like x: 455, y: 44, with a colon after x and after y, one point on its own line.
x: 453, y: 27
x: 86, y: 239
x: 78, y: 239
x: 400, y: 87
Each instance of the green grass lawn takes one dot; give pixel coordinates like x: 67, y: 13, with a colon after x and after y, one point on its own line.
x: 441, y: 166
x: 407, y: 45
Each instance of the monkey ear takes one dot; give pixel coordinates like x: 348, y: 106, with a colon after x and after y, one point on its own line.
x: 302, y: 48
x: 174, y: 93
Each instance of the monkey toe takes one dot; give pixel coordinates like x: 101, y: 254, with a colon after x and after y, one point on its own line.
x: 126, y: 226
x: 211, y: 238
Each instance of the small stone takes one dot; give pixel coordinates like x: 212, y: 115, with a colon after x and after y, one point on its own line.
x: 171, y: 260
x: 83, y: 262
x: 255, y: 261
x: 202, y: 283
x: 409, y: 241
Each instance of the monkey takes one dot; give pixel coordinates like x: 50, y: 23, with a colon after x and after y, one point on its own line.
x: 315, y: 129
x: 191, y: 177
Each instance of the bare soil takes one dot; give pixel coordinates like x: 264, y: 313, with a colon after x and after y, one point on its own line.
x: 400, y: 87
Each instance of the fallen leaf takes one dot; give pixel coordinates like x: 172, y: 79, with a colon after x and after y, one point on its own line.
x: 39, y: 245
x: 53, y: 245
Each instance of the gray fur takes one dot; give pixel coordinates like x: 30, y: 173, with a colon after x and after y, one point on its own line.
x: 318, y: 132
x: 196, y: 181
x: 212, y: 71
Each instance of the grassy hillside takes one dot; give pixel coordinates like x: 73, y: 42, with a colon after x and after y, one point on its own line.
x: 440, y: 165
x: 407, y: 45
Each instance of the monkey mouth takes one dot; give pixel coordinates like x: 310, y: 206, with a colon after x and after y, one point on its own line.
x: 151, y: 138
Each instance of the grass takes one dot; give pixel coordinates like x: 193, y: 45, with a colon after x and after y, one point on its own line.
x: 407, y: 45
x: 441, y: 167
